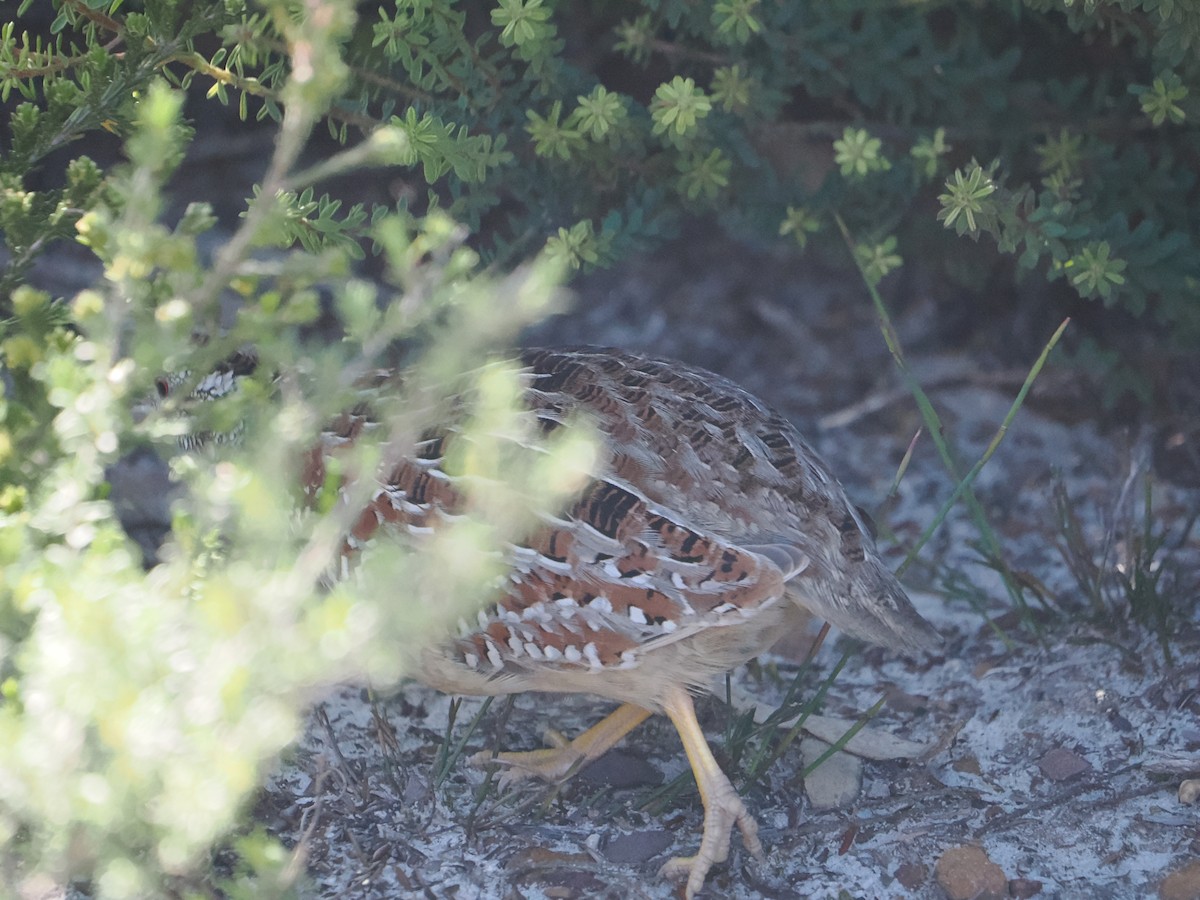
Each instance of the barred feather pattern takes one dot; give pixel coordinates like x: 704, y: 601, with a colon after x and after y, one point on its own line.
x: 706, y: 531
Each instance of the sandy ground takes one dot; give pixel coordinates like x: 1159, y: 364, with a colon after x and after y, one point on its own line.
x: 1037, y: 760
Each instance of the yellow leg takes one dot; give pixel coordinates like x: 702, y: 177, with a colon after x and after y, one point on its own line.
x: 564, y: 758
x: 722, y: 806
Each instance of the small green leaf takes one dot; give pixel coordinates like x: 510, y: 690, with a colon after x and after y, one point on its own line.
x: 678, y: 106
x: 963, y: 200
x: 705, y: 175
x: 600, y: 113
x: 522, y: 22
x: 877, y: 260
x: 928, y: 151
x: 1062, y: 155
x: 858, y: 154
x: 799, y: 223
x: 732, y: 89
x: 636, y: 39
x: 735, y: 21
x: 550, y: 138
x: 577, y: 246
x: 1161, y: 100
x: 1096, y: 273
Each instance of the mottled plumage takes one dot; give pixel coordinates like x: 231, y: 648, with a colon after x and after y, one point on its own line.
x: 711, y: 512
x: 706, y: 532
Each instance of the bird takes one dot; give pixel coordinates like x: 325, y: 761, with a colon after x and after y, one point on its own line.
x: 708, y: 529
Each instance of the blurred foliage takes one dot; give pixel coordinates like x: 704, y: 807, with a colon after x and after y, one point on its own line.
x: 138, y: 708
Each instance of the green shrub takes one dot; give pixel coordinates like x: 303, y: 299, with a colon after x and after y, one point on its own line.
x: 597, y: 126
x: 136, y: 709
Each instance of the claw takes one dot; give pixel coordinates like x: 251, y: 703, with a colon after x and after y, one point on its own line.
x: 719, y: 818
x: 722, y: 807
x: 553, y: 764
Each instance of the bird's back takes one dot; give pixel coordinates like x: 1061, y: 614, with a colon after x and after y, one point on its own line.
x: 707, y: 516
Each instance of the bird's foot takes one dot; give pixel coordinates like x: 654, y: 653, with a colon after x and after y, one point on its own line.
x: 562, y: 758
x: 722, y: 812
x: 554, y: 763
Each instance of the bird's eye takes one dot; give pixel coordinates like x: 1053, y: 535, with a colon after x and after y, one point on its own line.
x: 867, y: 522
x: 162, y: 386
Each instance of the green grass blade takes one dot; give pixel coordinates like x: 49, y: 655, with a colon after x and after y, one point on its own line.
x: 933, y: 423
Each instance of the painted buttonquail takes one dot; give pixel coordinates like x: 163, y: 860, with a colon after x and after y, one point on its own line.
x: 707, y: 532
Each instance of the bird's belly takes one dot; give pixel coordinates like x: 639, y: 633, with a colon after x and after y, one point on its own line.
x: 693, y: 660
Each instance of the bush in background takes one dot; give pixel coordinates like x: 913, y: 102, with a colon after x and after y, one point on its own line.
x: 1061, y: 133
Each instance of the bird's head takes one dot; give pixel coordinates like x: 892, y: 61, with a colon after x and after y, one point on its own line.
x: 184, y: 395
